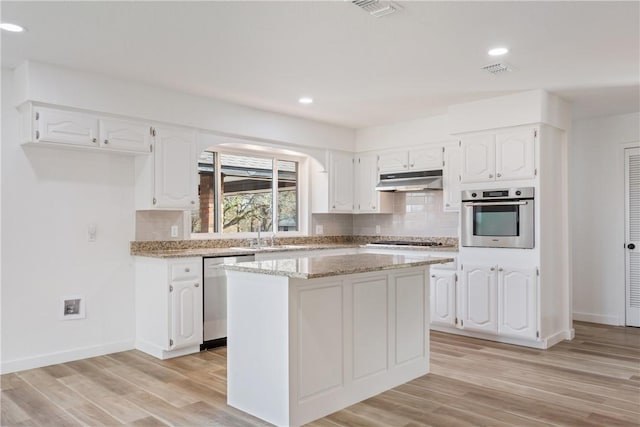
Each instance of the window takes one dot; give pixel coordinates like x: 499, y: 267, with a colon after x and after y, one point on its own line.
x: 245, y: 193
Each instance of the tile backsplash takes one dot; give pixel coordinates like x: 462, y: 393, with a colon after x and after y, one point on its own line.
x: 156, y: 225
x: 414, y: 214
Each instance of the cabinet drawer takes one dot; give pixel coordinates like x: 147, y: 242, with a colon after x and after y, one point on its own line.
x: 185, y: 271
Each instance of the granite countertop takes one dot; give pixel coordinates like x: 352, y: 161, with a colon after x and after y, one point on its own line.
x: 236, y: 251
x: 442, y: 248
x: 334, y: 265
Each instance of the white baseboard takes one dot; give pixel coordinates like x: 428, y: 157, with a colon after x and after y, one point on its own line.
x: 598, y: 318
x: 159, y: 353
x: 63, y: 356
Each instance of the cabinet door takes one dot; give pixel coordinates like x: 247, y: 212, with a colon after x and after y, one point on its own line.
x: 479, y: 298
x: 366, y: 178
x: 517, y: 302
x: 515, y: 155
x: 451, y: 179
x: 443, y: 297
x: 341, y: 183
x: 425, y: 158
x: 125, y: 136
x: 397, y: 161
x: 478, y: 158
x: 66, y: 127
x: 175, y: 169
x: 186, y: 314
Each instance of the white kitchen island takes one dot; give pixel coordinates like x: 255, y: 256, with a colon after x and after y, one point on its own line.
x: 309, y: 336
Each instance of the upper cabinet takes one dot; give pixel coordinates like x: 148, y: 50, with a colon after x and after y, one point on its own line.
x: 340, y: 182
x: 498, y: 157
x: 411, y: 160
x: 366, y: 198
x: 69, y: 129
x: 124, y: 135
x: 168, y: 180
x: 451, y: 179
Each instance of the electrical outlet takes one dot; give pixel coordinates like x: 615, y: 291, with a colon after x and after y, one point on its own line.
x: 174, y: 231
x: 72, y: 308
x: 319, y: 229
x: 91, y: 232
x: 378, y: 231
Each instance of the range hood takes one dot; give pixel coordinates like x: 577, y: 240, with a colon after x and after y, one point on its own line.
x: 410, y: 181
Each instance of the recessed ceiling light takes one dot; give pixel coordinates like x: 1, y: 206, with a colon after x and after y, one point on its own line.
x: 305, y: 100
x: 498, y: 51
x: 11, y: 27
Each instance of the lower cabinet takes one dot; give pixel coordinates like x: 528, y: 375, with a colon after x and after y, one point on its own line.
x: 443, y: 297
x: 168, y: 306
x: 491, y: 299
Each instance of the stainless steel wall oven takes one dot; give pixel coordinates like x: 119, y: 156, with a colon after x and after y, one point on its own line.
x: 502, y: 218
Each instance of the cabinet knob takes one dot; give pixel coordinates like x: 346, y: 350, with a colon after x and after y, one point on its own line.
x: 334, y: 206
x: 433, y: 275
x: 500, y: 269
x: 448, y: 204
x: 196, y: 285
x: 193, y: 202
x: 412, y: 164
x: 106, y: 141
x: 373, y: 207
x: 186, y: 270
x: 498, y: 175
x: 405, y: 166
x: 492, y: 269
x: 490, y: 175
x: 94, y: 140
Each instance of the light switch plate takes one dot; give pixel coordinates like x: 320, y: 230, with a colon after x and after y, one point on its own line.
x: 377, y: 229
x: 91, y: 232
x: 174, y: 231
x: 319, y: 229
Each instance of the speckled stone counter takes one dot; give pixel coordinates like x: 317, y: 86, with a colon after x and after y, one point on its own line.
x: 222, y: 252
x: 334, y: 265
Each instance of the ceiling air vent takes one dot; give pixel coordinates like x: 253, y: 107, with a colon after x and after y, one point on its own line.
x: 377, y: 8
x: 499, y: 68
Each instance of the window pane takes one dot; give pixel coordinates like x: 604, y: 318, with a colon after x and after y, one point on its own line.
x: 204, y: 219
x: 287, y: 195
x: 247, y: 199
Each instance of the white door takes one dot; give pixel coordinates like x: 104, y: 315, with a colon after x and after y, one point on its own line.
x: 341, y: 182
x: 397, y: 161
x: 451, y: 179
x: 176, y: 169
x: 186, y: 313
x: 517, y: 302
x: 632, y: 235
x: 66, y: 127
x: 443, y: 297
x: 478, y: 158
x: 515, y: 155
x: 479, y: 298
x: 425, y: 158
x: 125, y: 136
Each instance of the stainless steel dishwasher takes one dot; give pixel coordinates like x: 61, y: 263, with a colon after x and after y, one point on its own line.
x: 215, y: 299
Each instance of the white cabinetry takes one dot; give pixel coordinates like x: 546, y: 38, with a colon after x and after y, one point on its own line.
x: 517, y: 302
x: 57, y: 127
x: 341, y: 182
x: 168, y: 180
x: 168, y: 306
x: 366, y: 198
x: 478, y: 294
x: 333, y: 187
x: 410, y: 160
x: 500, y: 300
x: 124, y: 135
x: 451, y: 179
x: 443, y: 297
x: 498, y: 156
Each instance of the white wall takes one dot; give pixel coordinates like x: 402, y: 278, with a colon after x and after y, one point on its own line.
x: 48, y: 198
x: 596, y: 188
x: 421, y: 131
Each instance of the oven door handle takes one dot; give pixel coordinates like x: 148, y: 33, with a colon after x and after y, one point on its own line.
x: 518, y: 203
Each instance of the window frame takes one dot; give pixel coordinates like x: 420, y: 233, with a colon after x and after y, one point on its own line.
x: 301, y: 193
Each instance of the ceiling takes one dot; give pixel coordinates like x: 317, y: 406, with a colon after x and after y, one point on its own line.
x: 361, y: 71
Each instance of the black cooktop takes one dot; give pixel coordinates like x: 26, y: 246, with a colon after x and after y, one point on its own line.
x: 405, y: 243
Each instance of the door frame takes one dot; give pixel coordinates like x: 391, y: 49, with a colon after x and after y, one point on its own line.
x: 622, y: 314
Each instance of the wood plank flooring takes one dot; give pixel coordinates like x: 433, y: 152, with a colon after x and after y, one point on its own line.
x: 593, y: 380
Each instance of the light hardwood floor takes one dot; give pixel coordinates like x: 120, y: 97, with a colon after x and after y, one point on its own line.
x: 593, y: 380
